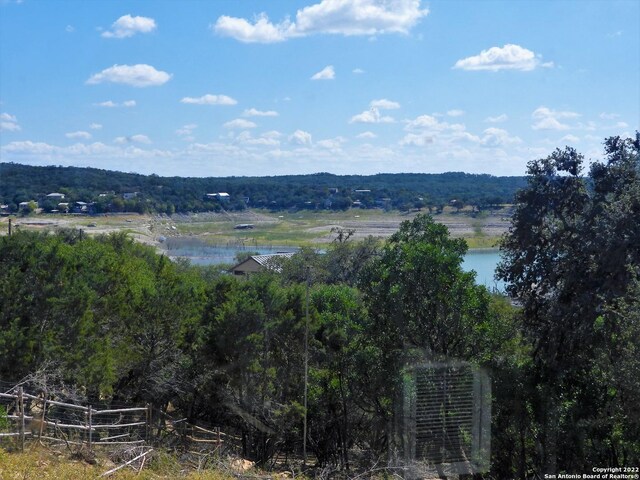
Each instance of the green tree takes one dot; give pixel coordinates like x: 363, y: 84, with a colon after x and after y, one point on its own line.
x: 570, y: 257
x: 422, y: 307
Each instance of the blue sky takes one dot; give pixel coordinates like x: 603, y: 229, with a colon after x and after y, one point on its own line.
x: 218, y: 88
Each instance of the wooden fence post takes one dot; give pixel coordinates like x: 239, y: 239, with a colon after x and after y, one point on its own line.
x: 21, y: 410
x: 147, y: 433
x: 90, y: 426
x: 44, y: 415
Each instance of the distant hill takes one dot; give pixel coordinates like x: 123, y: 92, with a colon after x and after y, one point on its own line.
x: 114, y: 191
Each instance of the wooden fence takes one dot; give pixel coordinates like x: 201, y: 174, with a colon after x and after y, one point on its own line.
x: 44, y: 418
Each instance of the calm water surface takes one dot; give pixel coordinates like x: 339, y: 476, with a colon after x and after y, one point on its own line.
x: 199, y: 253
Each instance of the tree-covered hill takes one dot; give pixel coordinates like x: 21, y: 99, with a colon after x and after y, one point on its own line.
x: 23, y: 183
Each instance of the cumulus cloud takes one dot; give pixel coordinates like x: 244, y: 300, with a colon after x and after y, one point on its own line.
x: 112, y: 104
x: 570, y: 139
x: 509, y: 57
x: 79, y: 134
x: 609, y: 116
x: 367, y: 135
x: 548, y: 119
x: 95, y: 126
x: 371, y: 116
x: 357, y: 71
x: 140, y: 75
x: 498, y: 137
x: 252, y: 112
x: 455, y: 113
x: 327, y: 73
x: 331, y: 143
x: 384, y: 104
x: 128, y: 26
x: 264, y: 140
x: 301, y: 138
x: 499, y: 119
x: 187, y: 130
x: 425, y: 129
x: 9, y: 123
x: 209, y: 99
x: 132, y: 139
x: 240, y: 123
x: 336, y: 17
x: 29, y: 147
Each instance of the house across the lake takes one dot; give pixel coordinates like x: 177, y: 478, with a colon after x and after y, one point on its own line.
x: 257, y: 263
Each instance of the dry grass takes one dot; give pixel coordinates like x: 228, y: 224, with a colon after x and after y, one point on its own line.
x: 38, y: 463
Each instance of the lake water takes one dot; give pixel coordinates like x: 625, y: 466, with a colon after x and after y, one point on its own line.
x: 484, y: 262
x: 199, y: 253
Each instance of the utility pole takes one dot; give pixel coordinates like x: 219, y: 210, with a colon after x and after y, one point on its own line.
x: 9, y: 226
x: 306, y: 372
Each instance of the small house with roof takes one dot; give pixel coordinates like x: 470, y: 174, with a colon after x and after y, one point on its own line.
x: 258, y: 263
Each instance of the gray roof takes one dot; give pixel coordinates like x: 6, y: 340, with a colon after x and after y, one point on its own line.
x: 266, y: 259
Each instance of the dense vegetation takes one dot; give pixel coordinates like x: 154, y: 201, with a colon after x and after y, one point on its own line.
x: 128, y: 325
x: 22, y: 183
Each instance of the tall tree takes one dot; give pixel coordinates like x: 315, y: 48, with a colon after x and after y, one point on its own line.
x: 570, y: 257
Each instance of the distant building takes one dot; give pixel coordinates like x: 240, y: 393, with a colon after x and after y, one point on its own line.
x: 220, y: 196
x: 55, y: 196
x: 257, y: 263
x: 80, y: 207
x: 130, y: 195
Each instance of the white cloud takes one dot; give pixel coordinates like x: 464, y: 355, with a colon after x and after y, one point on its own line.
x: 547, y: 119
x: 384, y: 104
x: 127, y: 26
x: 327, y: 73
x: 497, y: 137
x: 499, y: 119
x: 132, y: 139
x: 95, y: 126
x: 140, y: 75
x: 609, y: 116
x: 455, y: 113
x: 331, y: 143
x: 9, y: 123
x: 367, y: 135
x: 29, y: 147
x: 240, y: 123
x: 262, y: 31
x: 209, y: 99
x: 300, y: 137
x: 570, y: 139
x: 78, y: 134
x: 264, y: 140
x: 337, y: 17
x: 252, y: 112
x: 186, y: 130
x: 70, y: 29
x: 107, y: 104
x: 140, y: 139
x: 371, y: 116
x: 112, y: 104
x: 509, y: 57
x: 272, y: 134
x: 358, y: 71
x: 428, y: 122
x: 427, y: 129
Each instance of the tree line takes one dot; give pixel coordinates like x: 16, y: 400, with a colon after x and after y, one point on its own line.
x: 155, y: 194
x: 127, y: 324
